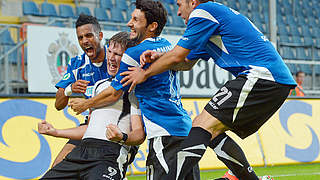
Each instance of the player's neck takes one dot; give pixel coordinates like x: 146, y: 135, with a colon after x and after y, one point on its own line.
x: 100, y: 57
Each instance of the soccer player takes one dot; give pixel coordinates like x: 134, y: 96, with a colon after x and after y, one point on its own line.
x: 242, y: 105
x: 166, y: 122
x: 103, y: 151
x: 84, y: 71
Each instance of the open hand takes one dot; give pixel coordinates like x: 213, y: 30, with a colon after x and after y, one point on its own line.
x: 78, y: 105
x: 134, y: 76
x: 148, y: 56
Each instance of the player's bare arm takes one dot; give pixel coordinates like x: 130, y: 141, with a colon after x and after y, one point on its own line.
x: 150, y: 56
x: 72, y: 133
x: 136, y: 135
x: 80, y: 86
x: 106, y: 97
x: 137, y: 75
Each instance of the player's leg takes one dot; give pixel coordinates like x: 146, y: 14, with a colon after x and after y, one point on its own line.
x: 251, y: 104
x: 194, y: 146
x: 161, y: 156
x: 67, y: 148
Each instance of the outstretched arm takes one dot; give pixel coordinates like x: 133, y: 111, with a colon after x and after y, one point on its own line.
x: 137, y: 75
x: 150, y: 56
x: 72, y: 133
x: 106, y: 97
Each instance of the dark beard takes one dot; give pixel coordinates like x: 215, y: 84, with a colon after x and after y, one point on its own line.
x: 138, y: 39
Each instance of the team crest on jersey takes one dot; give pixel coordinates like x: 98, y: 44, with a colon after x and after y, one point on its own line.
x: 59, y: 55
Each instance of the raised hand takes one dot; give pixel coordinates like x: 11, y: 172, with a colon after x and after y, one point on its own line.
x: 46, y: 128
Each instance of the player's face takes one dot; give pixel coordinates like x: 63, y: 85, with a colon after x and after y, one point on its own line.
x: 185, y: 9
x: 89, y: 40
x: 114, y: 55
x: 138, y: 25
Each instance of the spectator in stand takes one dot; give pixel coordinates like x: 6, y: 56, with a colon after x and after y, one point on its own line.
x: 298, y: 91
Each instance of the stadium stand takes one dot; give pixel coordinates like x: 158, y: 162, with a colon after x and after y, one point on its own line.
x: 298, y: 24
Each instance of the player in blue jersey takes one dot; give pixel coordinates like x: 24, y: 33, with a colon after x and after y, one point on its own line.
x: 242, y: 105
x: 84, y: 70
x: 165, y: 120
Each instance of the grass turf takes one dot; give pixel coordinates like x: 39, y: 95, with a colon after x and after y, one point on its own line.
x: 287, y: 172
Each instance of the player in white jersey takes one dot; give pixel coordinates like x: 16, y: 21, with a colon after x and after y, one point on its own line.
x: 166, y: 122
x: 84, y: 70
x: 103, y: 151
x: 242, y: 105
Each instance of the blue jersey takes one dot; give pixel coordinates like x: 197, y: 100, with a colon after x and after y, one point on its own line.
x: 234, y: 43
x: 80, y: 67
x: 159, y: 96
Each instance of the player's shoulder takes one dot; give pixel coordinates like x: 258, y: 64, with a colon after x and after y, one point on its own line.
x: 77, y: 61
x: 213, y: 8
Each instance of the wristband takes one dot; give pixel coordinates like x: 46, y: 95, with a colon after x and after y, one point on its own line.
x: 124, y: 138
x: 68, y: 90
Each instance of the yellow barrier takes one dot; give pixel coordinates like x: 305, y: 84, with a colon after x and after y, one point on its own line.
x: 290, y: 136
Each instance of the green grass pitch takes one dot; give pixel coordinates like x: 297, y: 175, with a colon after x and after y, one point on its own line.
x: 288, y: 172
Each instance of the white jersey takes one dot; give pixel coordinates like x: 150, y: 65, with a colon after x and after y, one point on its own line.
x: 101, y: 117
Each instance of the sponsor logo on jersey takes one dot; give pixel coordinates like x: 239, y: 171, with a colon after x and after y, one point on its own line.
x: 59, y: 55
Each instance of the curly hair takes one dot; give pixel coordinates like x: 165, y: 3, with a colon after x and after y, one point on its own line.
x: 84, y: 19
x: 154, y: 12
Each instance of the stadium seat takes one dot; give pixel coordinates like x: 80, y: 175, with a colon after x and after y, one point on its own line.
x: 13, y: 57
x: 307, y: 41
x: 316, y: 32
x: 101, y: 14
x: 56, y: 23
x: 287, y: 53
x: 301, y: 20
x: 48, y: 9
x: 30, y: 8
x: 66, y: 11
x: 84, y: 10
x: 293, y: 68
x: 284, y: 39
x: 6, y: 38
x: 106, y: 4
x: 243, y: 6
x: 302, y: 55
x: 116, y: 15
x: 296, y: 40
x: 293, y: 30
x: 254, y: 6
x: 318, y: 42
x: 282, y: 30
x: 305, y: 31
x: 122, y: 4
x: 290, y: 20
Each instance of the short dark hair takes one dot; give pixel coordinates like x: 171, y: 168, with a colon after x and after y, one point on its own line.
x: 154, y: 12
x: 297, y: 73
x: 84, y: 19
x: 123, y: 38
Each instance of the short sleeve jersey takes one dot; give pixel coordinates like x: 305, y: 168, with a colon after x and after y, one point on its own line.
x: 234, y: 43
x: 80, y: 67
x: 159, y: 96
